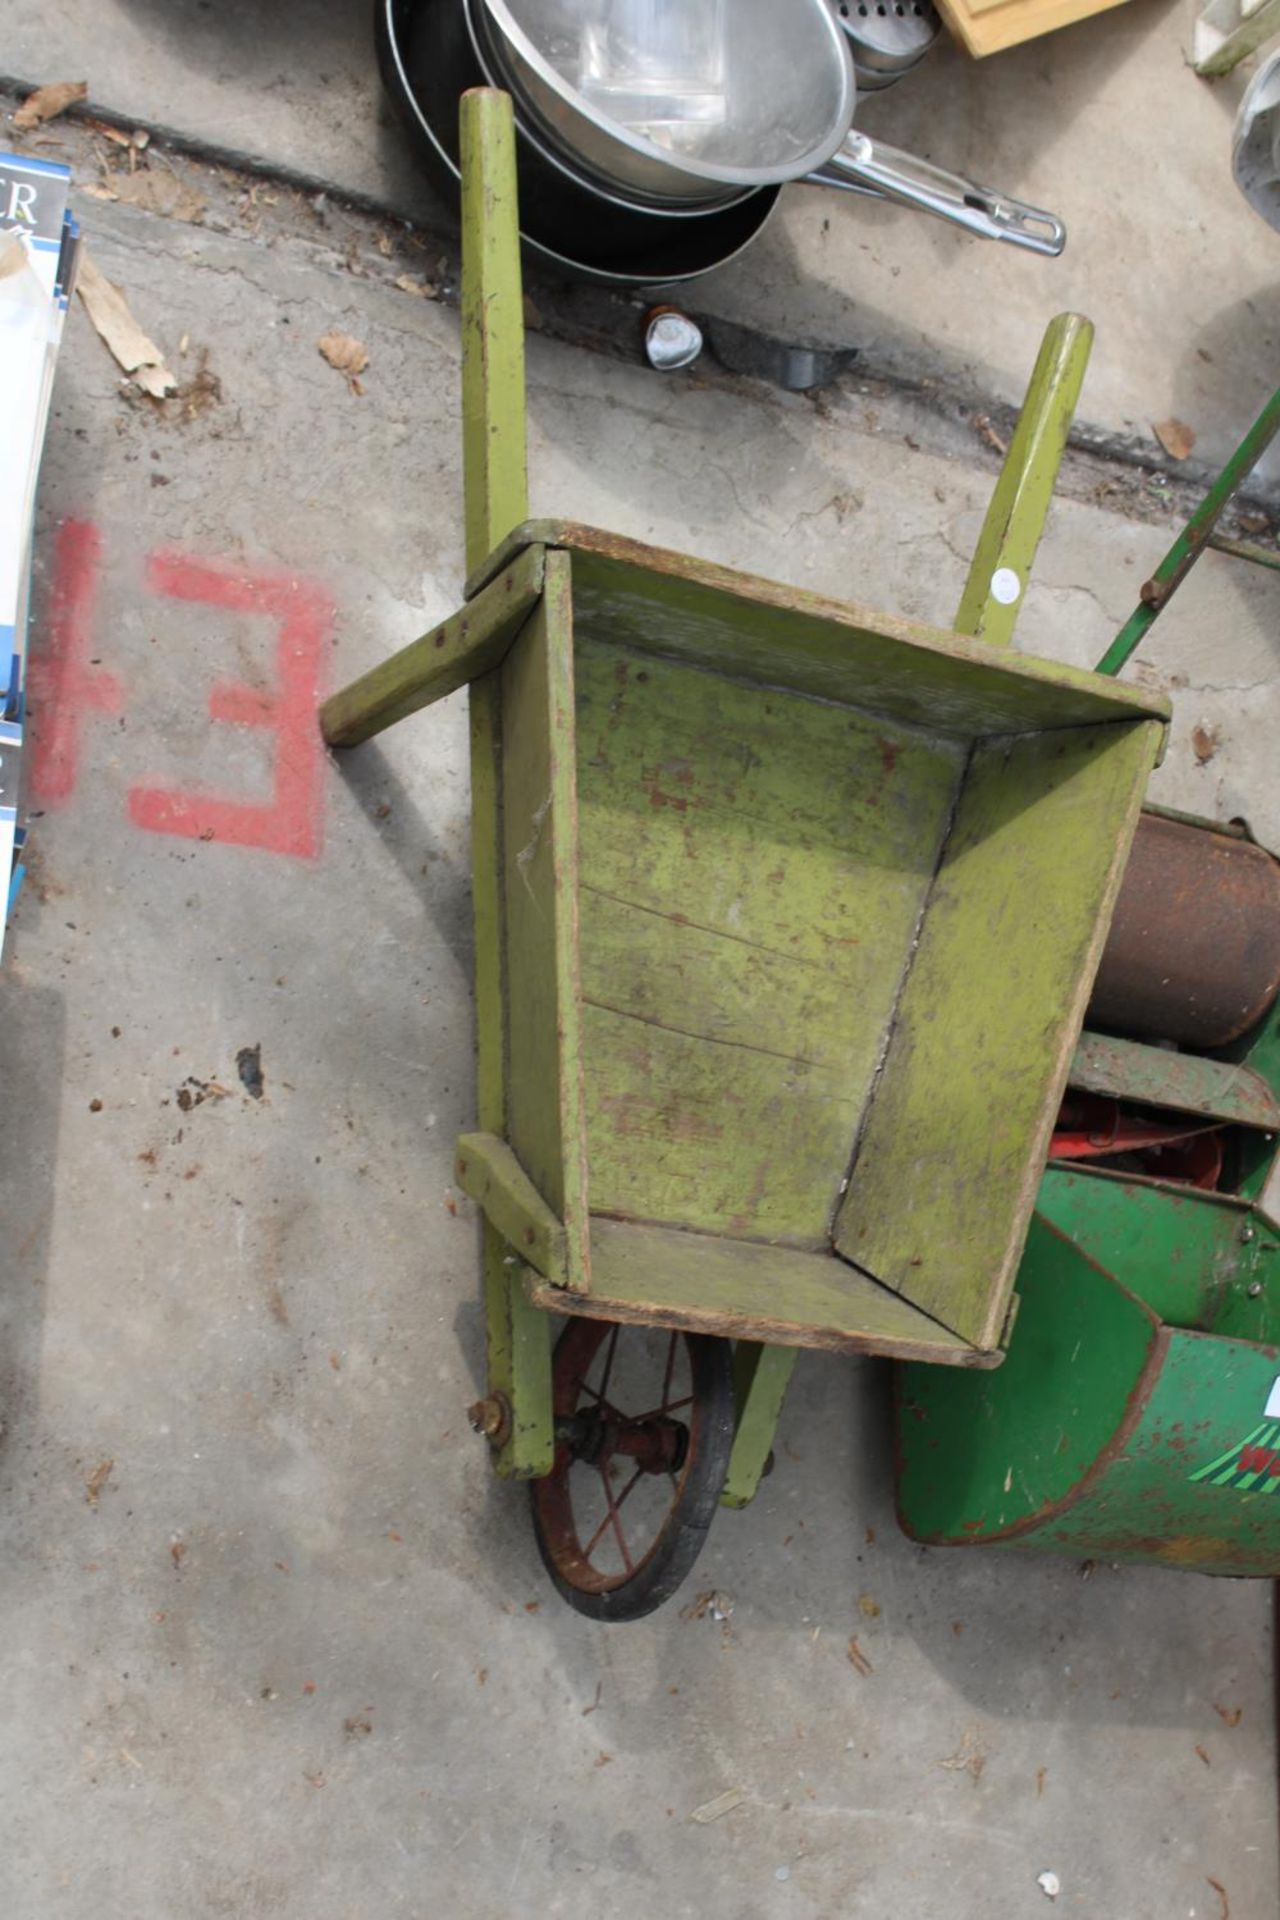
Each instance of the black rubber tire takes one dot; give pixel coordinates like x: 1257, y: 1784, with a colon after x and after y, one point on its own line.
x: 669, y: 1561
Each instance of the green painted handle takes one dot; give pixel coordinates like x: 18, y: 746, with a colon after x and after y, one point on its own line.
x: 495, y: 481
x: 1193, y: 539
x: 998, y: 575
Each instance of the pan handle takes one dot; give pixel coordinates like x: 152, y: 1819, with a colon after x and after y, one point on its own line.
x: 868, y: 166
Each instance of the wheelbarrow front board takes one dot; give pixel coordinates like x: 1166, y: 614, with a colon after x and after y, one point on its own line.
x: 799, y: 910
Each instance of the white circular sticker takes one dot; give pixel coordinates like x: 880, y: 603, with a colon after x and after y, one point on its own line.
x: 1005, y: 586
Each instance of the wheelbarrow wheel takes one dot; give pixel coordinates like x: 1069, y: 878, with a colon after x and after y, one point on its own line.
x: 644, y: 1426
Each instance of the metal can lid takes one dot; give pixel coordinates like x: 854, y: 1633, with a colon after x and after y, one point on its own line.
x: 671, y: 339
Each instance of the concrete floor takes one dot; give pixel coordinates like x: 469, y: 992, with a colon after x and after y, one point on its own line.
x: 1105, y: 123
x: 292, y: 1653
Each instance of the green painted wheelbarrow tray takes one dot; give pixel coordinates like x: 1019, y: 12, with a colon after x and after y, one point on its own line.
x: 787, y: 913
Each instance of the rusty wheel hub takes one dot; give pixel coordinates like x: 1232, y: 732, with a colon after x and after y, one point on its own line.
x: 656, y: 1443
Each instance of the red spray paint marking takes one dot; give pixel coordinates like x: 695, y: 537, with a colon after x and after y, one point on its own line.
x: 291, y: 821
x: 62, y: 685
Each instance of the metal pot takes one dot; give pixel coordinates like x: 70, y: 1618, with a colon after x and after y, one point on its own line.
x: 571, y: 226
x: 566, y: 164
x: 679, y: 114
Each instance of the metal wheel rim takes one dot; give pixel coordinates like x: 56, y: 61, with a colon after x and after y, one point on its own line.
x: 553, y: 1497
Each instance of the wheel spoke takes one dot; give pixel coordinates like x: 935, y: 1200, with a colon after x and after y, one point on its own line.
x: 612, y: 1515
x: 609, y: 1516
x: 656, y: 1413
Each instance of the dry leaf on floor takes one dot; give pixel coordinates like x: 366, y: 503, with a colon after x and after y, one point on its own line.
x: 106, y: 306
x: 868, y: 1606
x: 1175, y: 436
x: 857, y: 1658
x: 97, y: 1481
x: 1221, y: 1892
x: 713, y: 1809
x: 46, y: 103
x: 345, y: 354
x: 969, y: 1757
x: 1232, y: 1715
x: 1204, y: 742
x: 423, y: 288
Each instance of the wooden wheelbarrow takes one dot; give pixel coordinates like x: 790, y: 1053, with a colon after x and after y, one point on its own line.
x: 786, y: 918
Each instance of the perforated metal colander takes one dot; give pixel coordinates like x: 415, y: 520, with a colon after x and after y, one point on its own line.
x: 887, y: 37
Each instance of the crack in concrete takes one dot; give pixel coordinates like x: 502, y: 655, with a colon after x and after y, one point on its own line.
x: 1101, y: 468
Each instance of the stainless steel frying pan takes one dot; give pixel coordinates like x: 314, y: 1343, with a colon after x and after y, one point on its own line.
x: 691, y: 103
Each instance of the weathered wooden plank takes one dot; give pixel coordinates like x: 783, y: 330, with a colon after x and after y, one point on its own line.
x: 761, y: 1376
x: 545, y: 1124
x: 485, y: 715
x: 1181, y: 1082
x: 753, y: 868
x: 461, y: 648
x: 753, y: 629
x: 946, y: 1170
x: 659, y: 1276
x: 487, y: 1169
x: 518, y: 1336
x: 723, y: 1139
x: 492, y: 312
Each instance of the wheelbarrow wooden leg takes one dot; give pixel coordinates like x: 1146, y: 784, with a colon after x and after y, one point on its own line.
x: 760, y: 1379
x: 1001, y: 565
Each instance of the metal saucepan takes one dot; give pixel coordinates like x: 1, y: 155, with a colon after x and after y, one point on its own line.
x: 530, y: 131
x: 571, y: 227
x: 678, y: 104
